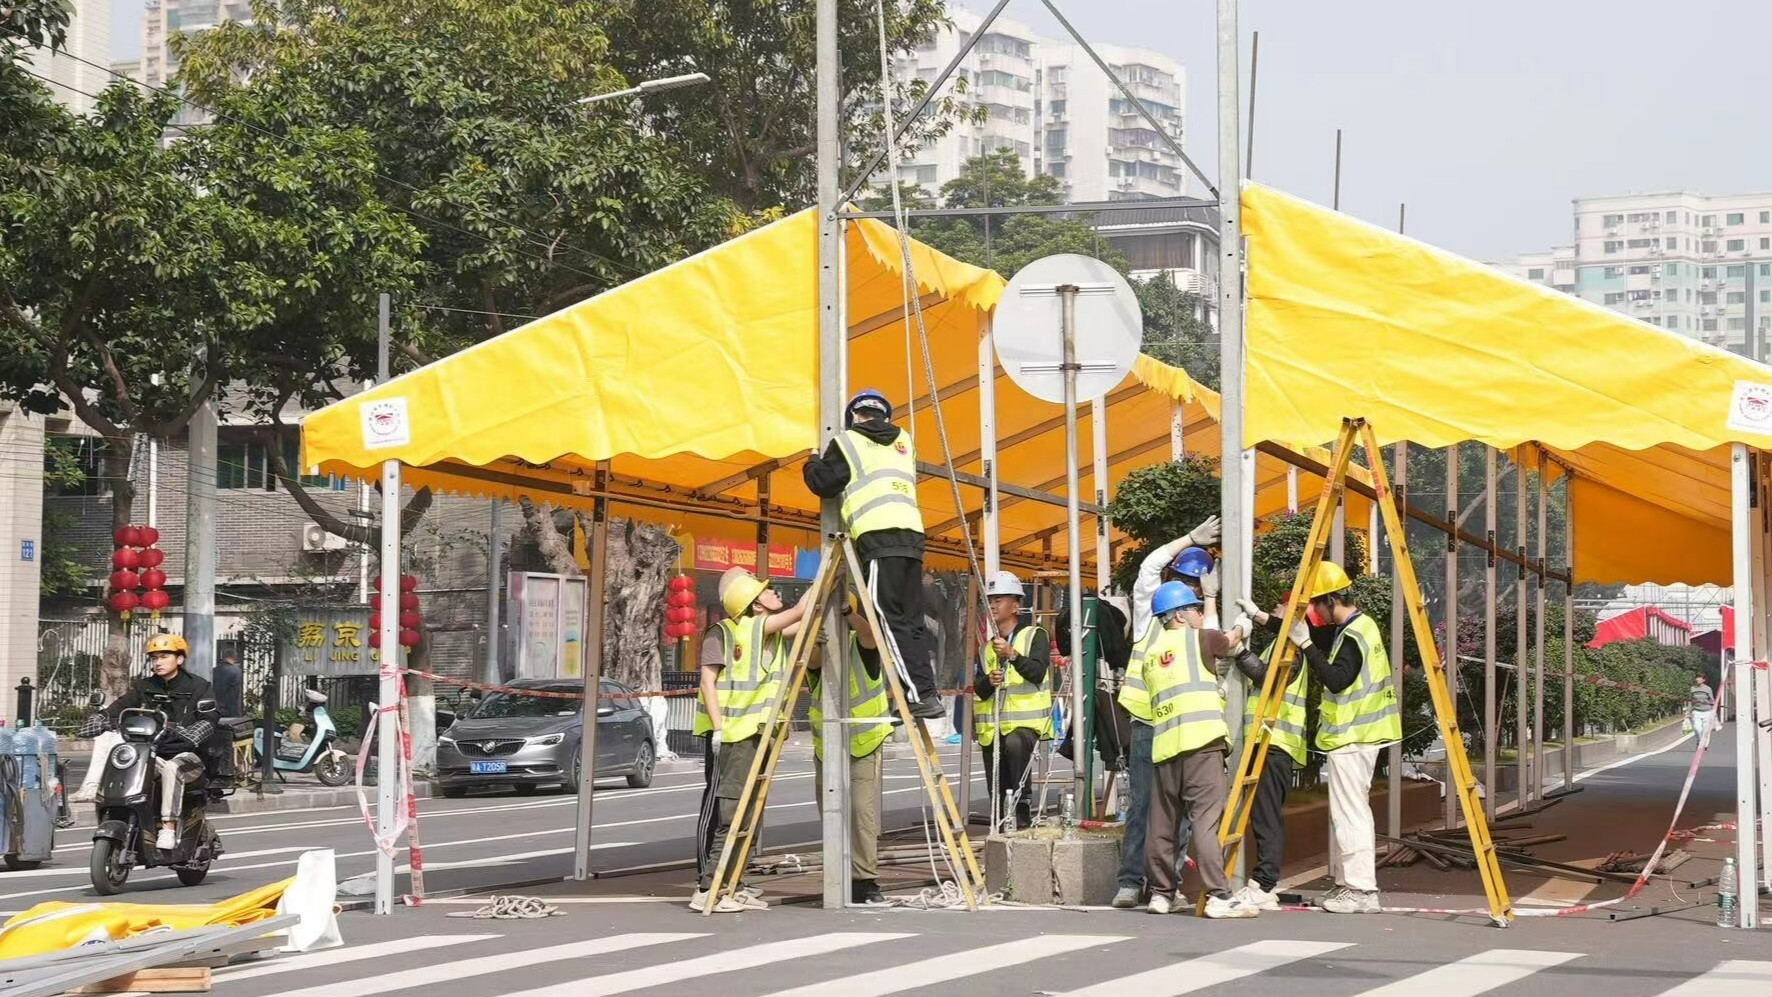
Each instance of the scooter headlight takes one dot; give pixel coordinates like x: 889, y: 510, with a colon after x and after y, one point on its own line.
x: 124, y: 755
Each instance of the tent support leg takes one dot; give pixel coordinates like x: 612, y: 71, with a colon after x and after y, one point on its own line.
x: 1394, y: 798
x: 1745, y: 529
x: 1449, y: 654
x: 1491, y: 729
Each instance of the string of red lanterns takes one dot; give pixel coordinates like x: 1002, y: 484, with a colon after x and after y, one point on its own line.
x: 680, y: 608
x: 136, y: 565
x: 410, y: 619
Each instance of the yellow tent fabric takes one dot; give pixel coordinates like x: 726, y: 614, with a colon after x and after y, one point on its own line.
x: 697, y: 384
x: 1346, y: 319
x: 58, y: 925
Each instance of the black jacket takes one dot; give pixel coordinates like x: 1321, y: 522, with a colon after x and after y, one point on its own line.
x: 1337, y: 675
x: 228, y: 697
x: 182, y: 693
x: 828, y: 475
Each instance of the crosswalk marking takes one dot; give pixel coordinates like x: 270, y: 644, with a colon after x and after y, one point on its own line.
x: 339, y: 956
x: 1478, y: 974
x: 710, y: 965
x: 942, y: 969
x: 1735, y: 978
x: 487, y: 965
x: 1190, y: 975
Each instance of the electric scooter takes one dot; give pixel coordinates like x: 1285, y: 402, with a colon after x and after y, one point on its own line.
x: 128, y: 804
x: 320, y: 754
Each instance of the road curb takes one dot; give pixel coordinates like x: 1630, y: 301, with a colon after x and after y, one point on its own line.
x: 247, y: 802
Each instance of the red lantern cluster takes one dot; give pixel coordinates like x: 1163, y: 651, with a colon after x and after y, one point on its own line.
x: 136, y: 565
x: 410, y: 620
x: 680, y: 608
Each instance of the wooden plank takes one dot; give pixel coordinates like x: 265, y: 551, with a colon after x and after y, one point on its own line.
x: 163, y: 980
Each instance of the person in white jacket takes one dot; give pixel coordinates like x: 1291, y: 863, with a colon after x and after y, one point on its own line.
x: 1166, y: 563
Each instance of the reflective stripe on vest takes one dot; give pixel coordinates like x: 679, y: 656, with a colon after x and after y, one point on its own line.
x: 1133, y: 695
x: 882, y: 489
x: 867, y: 697
x: 1186, y: 704
x: 1025, y: 705
x: 1367, y: 711
x: 747, y: 684
x: 1289, y: 728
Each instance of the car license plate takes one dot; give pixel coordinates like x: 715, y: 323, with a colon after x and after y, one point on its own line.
x: 486, y: 768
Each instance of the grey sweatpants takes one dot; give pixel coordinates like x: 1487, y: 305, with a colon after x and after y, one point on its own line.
x: 1191, y: 783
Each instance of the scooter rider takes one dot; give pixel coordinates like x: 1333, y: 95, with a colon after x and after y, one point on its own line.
x: 177, y: 693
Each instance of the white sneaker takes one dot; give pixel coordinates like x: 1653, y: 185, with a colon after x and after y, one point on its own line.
x: 166, y: 840
x: 1350, y: 901
x: 1252, y: 895
x: 1127, y: 898
x: 1228, y: 907
x: 84, y: 796
x: 1160, y: 904
x: 753, y: 895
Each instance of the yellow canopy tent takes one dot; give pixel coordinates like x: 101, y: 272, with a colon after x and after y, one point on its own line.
x: 697, y: 385
x: 1346, y: 319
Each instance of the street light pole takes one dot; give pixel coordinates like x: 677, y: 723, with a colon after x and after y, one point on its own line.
x: 648, y: 88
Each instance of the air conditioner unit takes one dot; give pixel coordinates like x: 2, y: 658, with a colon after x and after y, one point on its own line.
x: 315, y: 539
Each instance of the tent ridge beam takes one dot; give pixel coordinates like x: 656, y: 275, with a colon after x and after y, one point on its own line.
x: 731, y: 481
x: 1041, y: 428
x: 978, y: 481
x: 888, y: 317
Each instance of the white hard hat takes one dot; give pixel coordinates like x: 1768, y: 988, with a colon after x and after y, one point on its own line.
x: 1004, y: 583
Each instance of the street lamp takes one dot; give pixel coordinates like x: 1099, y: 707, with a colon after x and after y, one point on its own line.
x: 648, y: 87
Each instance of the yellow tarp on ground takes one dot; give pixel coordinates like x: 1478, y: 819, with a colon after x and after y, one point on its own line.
x: 58, y: 925
x: 1346, y: 319
x: 698, y: 382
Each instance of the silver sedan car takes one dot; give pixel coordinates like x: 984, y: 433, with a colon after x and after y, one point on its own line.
x: 529, y: 741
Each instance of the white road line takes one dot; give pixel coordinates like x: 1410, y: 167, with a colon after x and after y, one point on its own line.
x: 340, y: 956
x: 487, y: 965
x: 1735, y: 978
x: 942, y: 969
x: 1210, y: 970
x: 1478, y: 974
x: 731, y: 961
x: 1632, y: 760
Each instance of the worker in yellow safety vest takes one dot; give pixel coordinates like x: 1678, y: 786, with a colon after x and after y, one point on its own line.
x: 872, y: 467
x: 1012, y: 707
x: 1188, y: 747
x: 742, y: 661
x: 1359, y: 715
x: 867, y: 701
x: 1286, y: 754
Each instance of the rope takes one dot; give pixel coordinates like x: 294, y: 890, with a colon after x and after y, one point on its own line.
x: 946, y: 896
x: 512, y: 908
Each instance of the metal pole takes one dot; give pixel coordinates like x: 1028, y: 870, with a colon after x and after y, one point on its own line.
x: 1254, y: 69
x: 1292, y: 490
x: 495, y: 546
x: 1762, y: 680
x: 153, y: 482
x: 1746, y: 783
x: 1522, y: 703
x: 1177, y: 431
x: 595, y: 621
x: 1338, y: 530
x: 1394, y: 799
x: 832, y: 380
x: 1489, y: 585
x: 1074, y: 544
x: 1235, y: 462
x: 387, y: 740
x: 1104, y: 568
x: 991, y: 539
x: 1449, y: 652
x: 200, y: 530
x: 1569, y: 633
x: 1537, y: 770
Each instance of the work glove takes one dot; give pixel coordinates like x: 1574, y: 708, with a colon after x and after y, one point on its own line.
x: 1205, y: 534
x: 1242, y: 626
x: 1300, y: 635
x: 1209, y: 583
x: 1253, y: 611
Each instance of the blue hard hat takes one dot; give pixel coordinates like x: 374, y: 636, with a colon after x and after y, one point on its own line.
x: 863, y: 398
x: 1193, y: 562
x: 1171, y: 596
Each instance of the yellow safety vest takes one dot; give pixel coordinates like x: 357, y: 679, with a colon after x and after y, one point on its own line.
x: 867, y: 697
x: 882, y: 489
x: 747, y: 685
x: 1186, y: 704
x: 1026, y: 705
x: 1133, y: 695
x: 1366, y: 712
x: 1289, y: 728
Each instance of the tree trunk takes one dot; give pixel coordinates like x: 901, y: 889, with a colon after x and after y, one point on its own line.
x: 114, y: 672
x: 641, y: 558
x: 542, y: 525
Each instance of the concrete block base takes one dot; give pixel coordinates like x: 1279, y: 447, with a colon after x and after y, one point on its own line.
x: 1041, y: 866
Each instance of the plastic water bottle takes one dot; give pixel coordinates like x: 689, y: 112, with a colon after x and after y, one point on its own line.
x: 46, y: 748
x: 1070, y: 815
x: 1726, y: 901
x: 24, y: 744
x: 7, y: 736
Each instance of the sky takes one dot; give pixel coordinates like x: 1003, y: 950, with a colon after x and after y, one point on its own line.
x: 1486, y: 118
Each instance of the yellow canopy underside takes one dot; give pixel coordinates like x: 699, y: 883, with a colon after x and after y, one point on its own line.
x: 698, y: 384
x: 1346, y: 319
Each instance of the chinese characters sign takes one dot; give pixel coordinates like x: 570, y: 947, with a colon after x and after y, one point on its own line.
x: 331, y: 642
x: 713, y: 554
x: 548, y: 615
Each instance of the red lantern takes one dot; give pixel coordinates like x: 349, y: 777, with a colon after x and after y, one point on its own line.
x: 155, y: 599
x: 672, y: 631
x: 681, y: 598
x: 124, y: 580
x: 126, y: 558
x: 409, y: 638
x: 409, y: 583
x: 153, y: 557
x: 409, y: 621
x: 375, y: 583
x: 681, y: 583
x: 685, y: 614
x: 408, y: 601
x: 123, y: 602
x: 146, y: 536
x: 375, y: 623
x: 153, y: 578
x: 128, y: 536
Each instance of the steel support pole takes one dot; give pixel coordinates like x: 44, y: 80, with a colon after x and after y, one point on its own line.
x: 1490, y: 726
x: 1762, y: 679
x: 1569, y: 730
x: 1537, y: 769
x: 1236, y: 463
x: 1522, y: 673
x: 1745, y: 527
x: 595, y: 622
x: 200, y: 543
x: 1394, y: 768
x: 495, y: 556
x: 1292, y: 490
x: 1177, y: 431
x: 992, y: 539
x: 1074, y: 538
x: 387, y: 739
x: 1104, y: 568
x: 1449, y: 652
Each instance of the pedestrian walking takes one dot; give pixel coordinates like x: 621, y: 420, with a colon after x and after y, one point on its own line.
x: 1702, y: 709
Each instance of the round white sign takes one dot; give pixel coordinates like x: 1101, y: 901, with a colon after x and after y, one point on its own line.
x: 1029, y: 326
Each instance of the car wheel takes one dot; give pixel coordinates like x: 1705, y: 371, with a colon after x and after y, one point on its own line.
x: 575, y: 772
x: 455, y: 792
x: 641, y: 776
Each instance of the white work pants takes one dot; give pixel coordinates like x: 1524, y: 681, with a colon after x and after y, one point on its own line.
x: 1700, y: 723
x: 1350, y: 816
x: 170, y: 788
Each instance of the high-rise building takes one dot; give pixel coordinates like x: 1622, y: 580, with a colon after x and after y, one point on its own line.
x: 78, y: 69
x: 1697, y: 265
x: 166, y: 18
x: 1046, y: 100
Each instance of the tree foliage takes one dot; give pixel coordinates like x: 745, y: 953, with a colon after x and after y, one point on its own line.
x: 1153, y: 505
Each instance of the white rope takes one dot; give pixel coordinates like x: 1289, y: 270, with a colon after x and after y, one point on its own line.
x: 512, y: 908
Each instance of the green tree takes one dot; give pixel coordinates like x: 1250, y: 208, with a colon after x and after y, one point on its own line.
x: 1158, y: 503
x: 62, y: 573
x: 1173, y: 330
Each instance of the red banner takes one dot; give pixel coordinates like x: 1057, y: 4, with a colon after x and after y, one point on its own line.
x: 718, y: 555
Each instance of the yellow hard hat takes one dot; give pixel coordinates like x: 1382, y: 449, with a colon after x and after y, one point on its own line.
x: 161, y: 643
x: 738, y: 589
x: 1328, y: 578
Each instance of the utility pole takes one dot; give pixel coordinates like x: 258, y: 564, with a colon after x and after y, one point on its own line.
x: 495, y: 546
x: 200, y: 553
x: 387, y: 727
